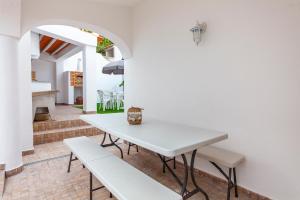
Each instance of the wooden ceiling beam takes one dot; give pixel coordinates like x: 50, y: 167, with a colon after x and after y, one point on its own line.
x: 60, y: 48
x: 49, y: 45
x: 58, y: 43
x: 44, y: 41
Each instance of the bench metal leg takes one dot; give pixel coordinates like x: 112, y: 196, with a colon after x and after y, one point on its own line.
x: 229, y: 179
x: 91, y: 187
x: 186, y: 194
x: 174, y: 163
x: 229, y: 184
x: 70, y: 161
x: 235, y: 184
x: 69, y: 166
x: 112, y: 143
x: 164, y: 165
x: 130, y: 145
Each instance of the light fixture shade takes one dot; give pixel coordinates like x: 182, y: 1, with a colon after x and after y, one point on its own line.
x: 197, y: 32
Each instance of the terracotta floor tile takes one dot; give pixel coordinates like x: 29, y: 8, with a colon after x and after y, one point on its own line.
x: 45, y: 176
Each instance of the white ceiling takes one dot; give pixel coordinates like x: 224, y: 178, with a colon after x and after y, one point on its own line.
x: 118, y: 2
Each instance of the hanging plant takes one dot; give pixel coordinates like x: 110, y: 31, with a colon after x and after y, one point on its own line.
x: 102, y: 45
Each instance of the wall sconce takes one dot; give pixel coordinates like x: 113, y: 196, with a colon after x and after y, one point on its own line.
x: 197, y: 31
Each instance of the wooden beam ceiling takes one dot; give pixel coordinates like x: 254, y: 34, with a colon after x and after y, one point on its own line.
x: 55, y: 46
x: 45, y: 40
x: 52, y: 46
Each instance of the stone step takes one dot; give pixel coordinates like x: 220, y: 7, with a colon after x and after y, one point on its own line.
x: 52, y: 125
x: 54, y: 135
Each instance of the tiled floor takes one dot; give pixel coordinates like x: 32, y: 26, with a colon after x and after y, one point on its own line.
x: 48, y: 179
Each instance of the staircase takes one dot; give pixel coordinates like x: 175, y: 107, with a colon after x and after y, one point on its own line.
x: 53, y: 131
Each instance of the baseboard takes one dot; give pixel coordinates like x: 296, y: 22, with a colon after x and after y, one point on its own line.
x: 28, y: 152
x: 2, y: 182
x: 14, y: 172
x: 89, y: 112
x: 250, y: 194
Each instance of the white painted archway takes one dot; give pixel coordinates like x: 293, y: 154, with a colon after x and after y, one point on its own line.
x: 25, y: 73
x: 119, y: 42
x: 111, y: 21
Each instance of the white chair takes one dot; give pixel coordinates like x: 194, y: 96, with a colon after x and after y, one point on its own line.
x: 120, y: 101
x: 105, y: 99
x: 101, y: 97
x: 108, y: 100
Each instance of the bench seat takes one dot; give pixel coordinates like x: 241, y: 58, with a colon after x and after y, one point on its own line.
x: 128, y: 183
x: 123, y: 180
x: 86, y: 149
x: 218, y: 156
x: 221, y: 156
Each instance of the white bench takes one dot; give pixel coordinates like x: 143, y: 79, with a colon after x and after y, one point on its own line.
x: 229, y: 159
x: 123, y: 180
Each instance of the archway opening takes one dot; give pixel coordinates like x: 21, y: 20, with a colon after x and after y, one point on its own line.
x: 68, y: 77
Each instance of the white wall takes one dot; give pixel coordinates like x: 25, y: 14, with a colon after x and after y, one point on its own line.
x: 24, y: 88
x: 243, y: 79
x: 60, y: 86
x: 70, y: 64
x: 45, y: 71
x: 10, y: 153
x: 111, y: 21
x: 35, y: 45
x: 10, y: 17
x: 89, y: 79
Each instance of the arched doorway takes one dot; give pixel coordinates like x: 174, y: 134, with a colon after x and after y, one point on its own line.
x: 25, y: 94
x: 113, y: 22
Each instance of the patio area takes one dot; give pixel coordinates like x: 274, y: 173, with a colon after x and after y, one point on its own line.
x: 210, y: 85
x: 45, y: 176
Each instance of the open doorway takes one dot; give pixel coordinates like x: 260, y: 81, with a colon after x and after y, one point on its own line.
x: 68, y: 76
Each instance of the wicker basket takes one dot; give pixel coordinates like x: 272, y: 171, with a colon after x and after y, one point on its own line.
x: 134, y: 116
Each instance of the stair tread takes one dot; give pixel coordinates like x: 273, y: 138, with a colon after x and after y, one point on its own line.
x: 62, y: 130
x: 51, y: 125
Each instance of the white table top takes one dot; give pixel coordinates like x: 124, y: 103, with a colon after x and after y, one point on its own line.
x: 165, y: 138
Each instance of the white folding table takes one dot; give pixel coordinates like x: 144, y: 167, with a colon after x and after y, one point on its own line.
x: 164, y: 138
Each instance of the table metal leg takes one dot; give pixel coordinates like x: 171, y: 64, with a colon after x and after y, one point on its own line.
x: 129, y: 147
x: 112, y: 143
x: 168, y: 160
x: 198, y: 189
x: 186, y: 176
x: 186, y: 194
x: 102, y: 143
